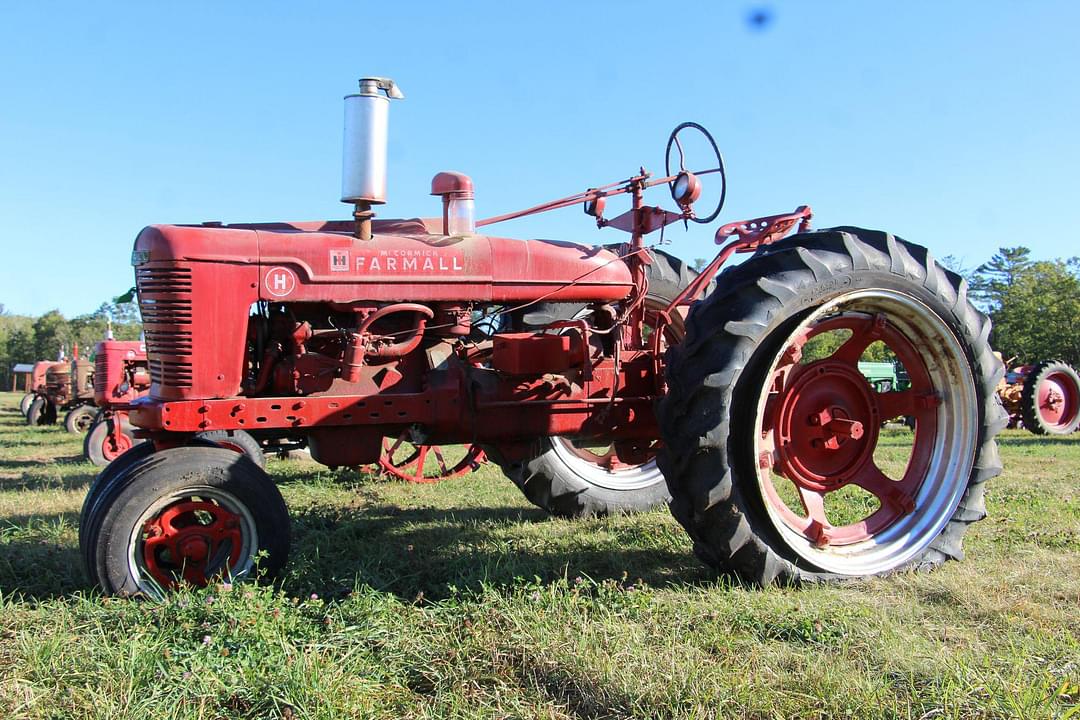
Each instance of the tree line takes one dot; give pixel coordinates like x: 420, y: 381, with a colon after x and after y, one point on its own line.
x: 27, y: 339
x: 1034, y: 304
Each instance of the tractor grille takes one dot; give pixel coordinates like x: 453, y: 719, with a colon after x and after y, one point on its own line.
x: 165, y: 303
x: 101, y: 373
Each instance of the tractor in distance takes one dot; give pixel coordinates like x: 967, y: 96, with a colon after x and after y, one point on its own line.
x: 1043, y: 397
x: 68, y: 389
x: 37, y: 387
x: 602, y: 379
x: 120, y: 375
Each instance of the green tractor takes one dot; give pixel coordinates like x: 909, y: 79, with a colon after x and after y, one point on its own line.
x: 887, y: 377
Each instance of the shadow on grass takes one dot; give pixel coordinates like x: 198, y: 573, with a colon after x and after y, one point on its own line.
x: 430, y: 551
x: 34, y: 565
x: 1041, y: 440
x: 35, y: 481
x: 407, y: 552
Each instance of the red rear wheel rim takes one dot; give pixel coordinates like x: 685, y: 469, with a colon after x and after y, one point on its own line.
x: 1058, y: 399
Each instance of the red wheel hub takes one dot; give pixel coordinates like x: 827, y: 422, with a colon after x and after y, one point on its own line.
x: 1058, y: 399
x: 193, y: 541
x: 821, y: 425
x: 827, y: 426
x: 114, y: 445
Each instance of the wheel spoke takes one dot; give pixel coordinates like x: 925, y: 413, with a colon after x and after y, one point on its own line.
x: 421, y: 456
x: 890, y: 493
x: 443, y: 470
x: 863, y: 333
x: 894, y: 404
x: 397, y: 443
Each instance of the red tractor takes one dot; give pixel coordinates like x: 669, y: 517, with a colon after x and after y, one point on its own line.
x: 69, y: 388
x: 120, y: 376
x: 1044, y: 397
x: 601, y: 379
x: 37, y: 389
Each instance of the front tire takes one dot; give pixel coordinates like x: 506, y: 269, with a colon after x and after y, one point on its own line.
x: 185, y: 515
x: 24, y: 404
x: 79, y: 420
x: 748, y: 424
x: 238, y: 441
x: 101, y: 446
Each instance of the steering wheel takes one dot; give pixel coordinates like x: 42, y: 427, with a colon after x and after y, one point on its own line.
x: 674, y: 140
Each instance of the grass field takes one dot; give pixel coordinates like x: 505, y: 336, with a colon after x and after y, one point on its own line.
x: 461, y: 600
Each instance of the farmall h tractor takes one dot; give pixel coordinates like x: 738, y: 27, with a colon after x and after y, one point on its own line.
x: 69, y: 389
x: 1044, y: 397
x: 37, y: 388
x: 81, y: 410
x: 120, y: 376
x: 601, y: 379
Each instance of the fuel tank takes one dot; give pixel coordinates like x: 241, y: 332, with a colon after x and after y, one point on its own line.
x: 312, y: 262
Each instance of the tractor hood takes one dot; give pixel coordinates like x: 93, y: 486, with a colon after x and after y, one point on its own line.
x: 322, y: 261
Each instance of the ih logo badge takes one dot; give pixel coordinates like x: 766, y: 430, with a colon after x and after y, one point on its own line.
x: 339, y: 260
x: 280, y: 281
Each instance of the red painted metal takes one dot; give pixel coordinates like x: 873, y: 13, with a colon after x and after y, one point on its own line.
x: 37, y: 375
x: 1058, y: 399
x: 184, y: 540
x: 403, y: 459
x: 120, y: 372
x: 821, y: 429
x: 765, y: 230
x: 115, y: 442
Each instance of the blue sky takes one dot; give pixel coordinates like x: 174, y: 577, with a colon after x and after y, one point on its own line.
x: 954, y: 125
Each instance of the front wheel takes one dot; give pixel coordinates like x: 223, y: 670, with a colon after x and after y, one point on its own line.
x: 24, y: 404
x: 104, y: 442
x: 188, y: 515
x: 776, y: 461
x: 79, y: 420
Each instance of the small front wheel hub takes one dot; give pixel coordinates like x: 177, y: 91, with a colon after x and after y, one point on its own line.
x: 192, y: 539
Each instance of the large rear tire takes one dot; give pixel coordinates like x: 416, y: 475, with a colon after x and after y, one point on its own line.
x: 185, y: 515
x: 572, y: 480
x: 747, y: 422
x: 1050, y: 400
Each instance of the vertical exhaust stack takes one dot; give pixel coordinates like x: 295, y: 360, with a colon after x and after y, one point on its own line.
x: 363, y: 170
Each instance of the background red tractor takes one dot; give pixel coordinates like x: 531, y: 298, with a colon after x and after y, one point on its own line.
x: 1043, y: 397
x: 601, y: 379
x: 120, y: 376
x: 68, y: 389
x: 37, y: 388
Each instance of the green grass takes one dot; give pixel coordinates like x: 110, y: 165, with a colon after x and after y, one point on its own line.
x: 462, y: 600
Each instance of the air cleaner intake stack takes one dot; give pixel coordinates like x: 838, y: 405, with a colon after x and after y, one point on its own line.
x: 363, y: 171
